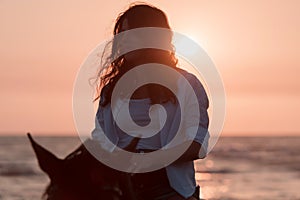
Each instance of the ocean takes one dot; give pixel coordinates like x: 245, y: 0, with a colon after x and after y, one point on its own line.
x: 237, y: 168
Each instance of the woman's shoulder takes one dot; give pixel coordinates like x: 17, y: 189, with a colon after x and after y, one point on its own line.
x: 191, y: 78
x: 196, y: 85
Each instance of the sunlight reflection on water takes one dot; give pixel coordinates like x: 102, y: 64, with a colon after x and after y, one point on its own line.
x: 238, y: 168
x: 203, y: 176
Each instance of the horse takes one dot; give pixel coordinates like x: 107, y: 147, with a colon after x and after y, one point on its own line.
x: 80, y: 176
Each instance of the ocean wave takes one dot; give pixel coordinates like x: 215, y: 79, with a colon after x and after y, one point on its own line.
x: 17, y: 169
x: 217, y: 171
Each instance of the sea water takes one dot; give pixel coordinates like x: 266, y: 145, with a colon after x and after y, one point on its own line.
x: 237, y: 168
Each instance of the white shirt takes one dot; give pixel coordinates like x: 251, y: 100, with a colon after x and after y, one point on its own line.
x: 181, y: 176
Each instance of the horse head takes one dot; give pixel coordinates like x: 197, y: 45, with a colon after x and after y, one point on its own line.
x: 79, y: 176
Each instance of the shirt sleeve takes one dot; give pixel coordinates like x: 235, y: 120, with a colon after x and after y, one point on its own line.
x: 194, y: 124
x: 98, y: 133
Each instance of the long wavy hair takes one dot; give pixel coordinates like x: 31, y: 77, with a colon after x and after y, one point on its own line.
x: 136, y: 16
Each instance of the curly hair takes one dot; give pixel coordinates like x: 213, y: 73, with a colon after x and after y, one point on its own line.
x: 137, y: 16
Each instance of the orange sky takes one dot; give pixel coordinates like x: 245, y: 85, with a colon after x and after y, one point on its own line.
x: 254, y: 44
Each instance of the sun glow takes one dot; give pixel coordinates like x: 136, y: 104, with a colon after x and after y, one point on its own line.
x: 185, y: 44
x: 193, y: 37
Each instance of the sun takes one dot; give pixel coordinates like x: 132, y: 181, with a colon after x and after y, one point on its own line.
x: 193, y: 37
x: 187, y: 44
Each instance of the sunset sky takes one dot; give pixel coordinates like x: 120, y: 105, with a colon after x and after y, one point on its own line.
x: 255, y: 45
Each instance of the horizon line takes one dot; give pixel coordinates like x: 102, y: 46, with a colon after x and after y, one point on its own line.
x: 227, y: 134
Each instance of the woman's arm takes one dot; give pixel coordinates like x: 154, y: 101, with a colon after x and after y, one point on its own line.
x: 195, y: 150
x: 192, y: 153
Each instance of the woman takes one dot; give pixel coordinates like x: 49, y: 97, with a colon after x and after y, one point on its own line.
x: 177, y: 180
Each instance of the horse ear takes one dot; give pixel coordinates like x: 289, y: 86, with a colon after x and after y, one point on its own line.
x: 48, y: 162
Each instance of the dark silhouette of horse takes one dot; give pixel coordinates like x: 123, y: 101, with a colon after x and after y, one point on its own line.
x: 80, y: 176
